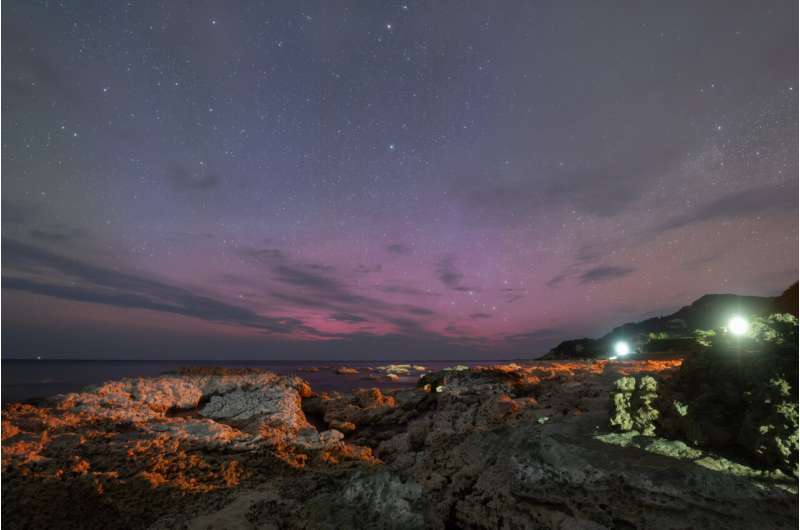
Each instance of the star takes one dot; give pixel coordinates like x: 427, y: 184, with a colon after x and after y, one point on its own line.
x: 425, y: 151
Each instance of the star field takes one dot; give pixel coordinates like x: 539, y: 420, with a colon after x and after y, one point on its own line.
x: 387, y: 180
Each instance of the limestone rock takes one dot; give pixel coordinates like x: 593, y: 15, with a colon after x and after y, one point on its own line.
x: 633, y: 405
x: 359, y: 408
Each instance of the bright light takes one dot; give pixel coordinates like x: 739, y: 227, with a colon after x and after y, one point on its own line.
x: 621, y: 348
x: 738, y: 326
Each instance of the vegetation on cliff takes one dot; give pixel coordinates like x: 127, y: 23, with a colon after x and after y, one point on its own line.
x: 737, y: 394
x: 682, y: 331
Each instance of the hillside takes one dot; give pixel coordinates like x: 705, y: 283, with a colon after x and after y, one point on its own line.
x: 707, y: 312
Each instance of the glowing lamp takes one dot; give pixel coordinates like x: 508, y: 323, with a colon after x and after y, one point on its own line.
x: 621, y: 348
x: 738, y: 325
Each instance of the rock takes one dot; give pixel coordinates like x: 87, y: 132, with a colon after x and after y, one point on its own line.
x: 359, y: 408
x: 345, y: 370
x: 344, y: 426
x: 274, y: 412
x: 633, y: 405
x: 727, y: 398
x: 399, y: 369
x: 377, y: 500
x: 499, y: 446
x: 386, y: 500
x: 311, y: 440
x: 244, y: 408
x: 205, y: 433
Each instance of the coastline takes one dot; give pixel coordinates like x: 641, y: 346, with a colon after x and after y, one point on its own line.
x: 492, y: 446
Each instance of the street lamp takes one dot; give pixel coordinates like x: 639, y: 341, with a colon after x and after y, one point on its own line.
x: 621, y: 348
x: 738, y: 326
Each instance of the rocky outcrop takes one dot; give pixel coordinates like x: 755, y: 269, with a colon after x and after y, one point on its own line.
x: 357, y: 408
x: 739, y: 397
x: 137, y: 447
x: 401, y: 369
x: 633, y: 405
x: 503, y: 446
x: 273, y: 412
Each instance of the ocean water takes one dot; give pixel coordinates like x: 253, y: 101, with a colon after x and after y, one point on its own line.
x: 31, y: 379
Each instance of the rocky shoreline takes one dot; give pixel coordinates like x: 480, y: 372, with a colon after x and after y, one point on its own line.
x: 504, y: 446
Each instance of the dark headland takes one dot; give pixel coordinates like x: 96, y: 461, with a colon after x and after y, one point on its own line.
x: 678, y: 331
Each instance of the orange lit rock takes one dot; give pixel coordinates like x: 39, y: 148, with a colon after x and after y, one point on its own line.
x: 509, y: 443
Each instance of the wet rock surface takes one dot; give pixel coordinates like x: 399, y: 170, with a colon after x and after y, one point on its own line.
x: 508, y: 446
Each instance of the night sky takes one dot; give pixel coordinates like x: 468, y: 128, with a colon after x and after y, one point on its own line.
x: 386, y: 179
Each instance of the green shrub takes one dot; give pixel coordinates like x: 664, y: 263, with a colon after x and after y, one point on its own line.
x: 704, y: 337
x: 737, y: 393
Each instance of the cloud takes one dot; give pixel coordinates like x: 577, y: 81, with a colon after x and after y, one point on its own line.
x: 319, y: 289
x: 604, y: 188
x: 597, y: 274
x: 703, y: 261
x: 594, y: 251
x: 416, y: 310
x: 46, y: 273
x: 479, y: 316
x: 399, y: 249
x: 31, y: 75
x: 300, y: 276
x: 450, y: 275
x: 558, y: 279
x: 348, y: 317
x: 753, y: 201
x: 183, y: 179
x: 605, y: 273
x: 319, y: 267
x: 319, y: 286
x: 179, y: 236
x: 513, y: 294
x: 57, y: 233
x: 18, y: 212
x: 367, y: 269
x: 536, y: 335
x: 405, y: 290
x: 262, y: 256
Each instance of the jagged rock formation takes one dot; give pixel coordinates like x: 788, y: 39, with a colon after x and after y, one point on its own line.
x: 161, y: 440
x: 490, y: 447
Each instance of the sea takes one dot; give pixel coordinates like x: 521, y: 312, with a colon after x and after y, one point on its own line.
x: 32, y: 379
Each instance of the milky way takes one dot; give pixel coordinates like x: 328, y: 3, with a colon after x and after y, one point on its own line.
x: 390, y: 180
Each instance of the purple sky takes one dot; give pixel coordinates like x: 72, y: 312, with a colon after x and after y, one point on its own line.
x: 387, y: 180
